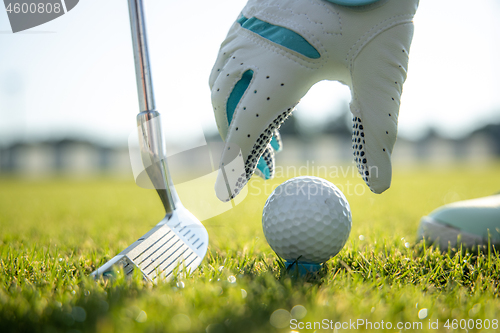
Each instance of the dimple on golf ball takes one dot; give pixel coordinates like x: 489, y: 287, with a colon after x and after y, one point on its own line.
x: 307, y: 218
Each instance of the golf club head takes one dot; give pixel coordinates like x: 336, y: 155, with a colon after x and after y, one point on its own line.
x: 179, y: 241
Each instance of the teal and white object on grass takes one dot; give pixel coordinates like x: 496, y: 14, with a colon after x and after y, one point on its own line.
x: 306, y: 221
x: 468, y: 223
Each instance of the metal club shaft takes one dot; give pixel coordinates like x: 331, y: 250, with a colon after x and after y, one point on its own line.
x: 141, y: 56
x: 150, y: 136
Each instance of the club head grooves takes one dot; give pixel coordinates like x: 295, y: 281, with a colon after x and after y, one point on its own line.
x: 178, y: 243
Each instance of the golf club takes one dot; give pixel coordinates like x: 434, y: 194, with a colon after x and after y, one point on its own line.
x: 179, y: 240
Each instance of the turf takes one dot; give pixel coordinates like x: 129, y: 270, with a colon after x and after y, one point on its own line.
x: 55, y: 232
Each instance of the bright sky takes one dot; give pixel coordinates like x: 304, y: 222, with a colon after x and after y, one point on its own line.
x: 75, y: 75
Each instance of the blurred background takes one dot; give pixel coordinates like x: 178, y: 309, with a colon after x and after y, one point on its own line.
x: 68, y: 98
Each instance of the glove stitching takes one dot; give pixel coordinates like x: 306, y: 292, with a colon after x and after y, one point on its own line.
x: 277, y: 136
x: 298, y: 27
x: 290, y: 23
x: 268, y: 156
x: 272, y: 47
x: 266, y: 136
x: 256, y: 153
x: 372, y: 33
x: 357, y: 111
x: 311, y: 38
x: 333, y: 12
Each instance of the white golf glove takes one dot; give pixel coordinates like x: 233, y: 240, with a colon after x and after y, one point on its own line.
x: 278, y: 49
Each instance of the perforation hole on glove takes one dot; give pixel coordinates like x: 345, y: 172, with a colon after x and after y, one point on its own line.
x: 261, y: 144
x: 358, y: 146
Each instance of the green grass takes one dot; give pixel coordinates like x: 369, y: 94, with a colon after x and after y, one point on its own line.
x: 54, y: 233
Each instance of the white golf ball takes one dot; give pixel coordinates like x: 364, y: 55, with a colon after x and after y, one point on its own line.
x: 307, y: 218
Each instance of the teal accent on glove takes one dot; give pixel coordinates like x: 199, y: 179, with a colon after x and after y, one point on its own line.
x: 279, y: 35
x: 275, y: 144
x: 352, y: 3
x: 232, y: 102
x: 262, y: 166
x: 238, y: 91
x: 241, y: 20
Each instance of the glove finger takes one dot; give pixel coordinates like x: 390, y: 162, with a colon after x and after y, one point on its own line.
x: 265, y: 166
x: 270, y: 95
x: 378, y: 74
x: 227, y: 49
x: 218, y: 66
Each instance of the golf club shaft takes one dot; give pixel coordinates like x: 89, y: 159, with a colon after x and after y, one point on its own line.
x: 141, y: 56
x: 150, y: 135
